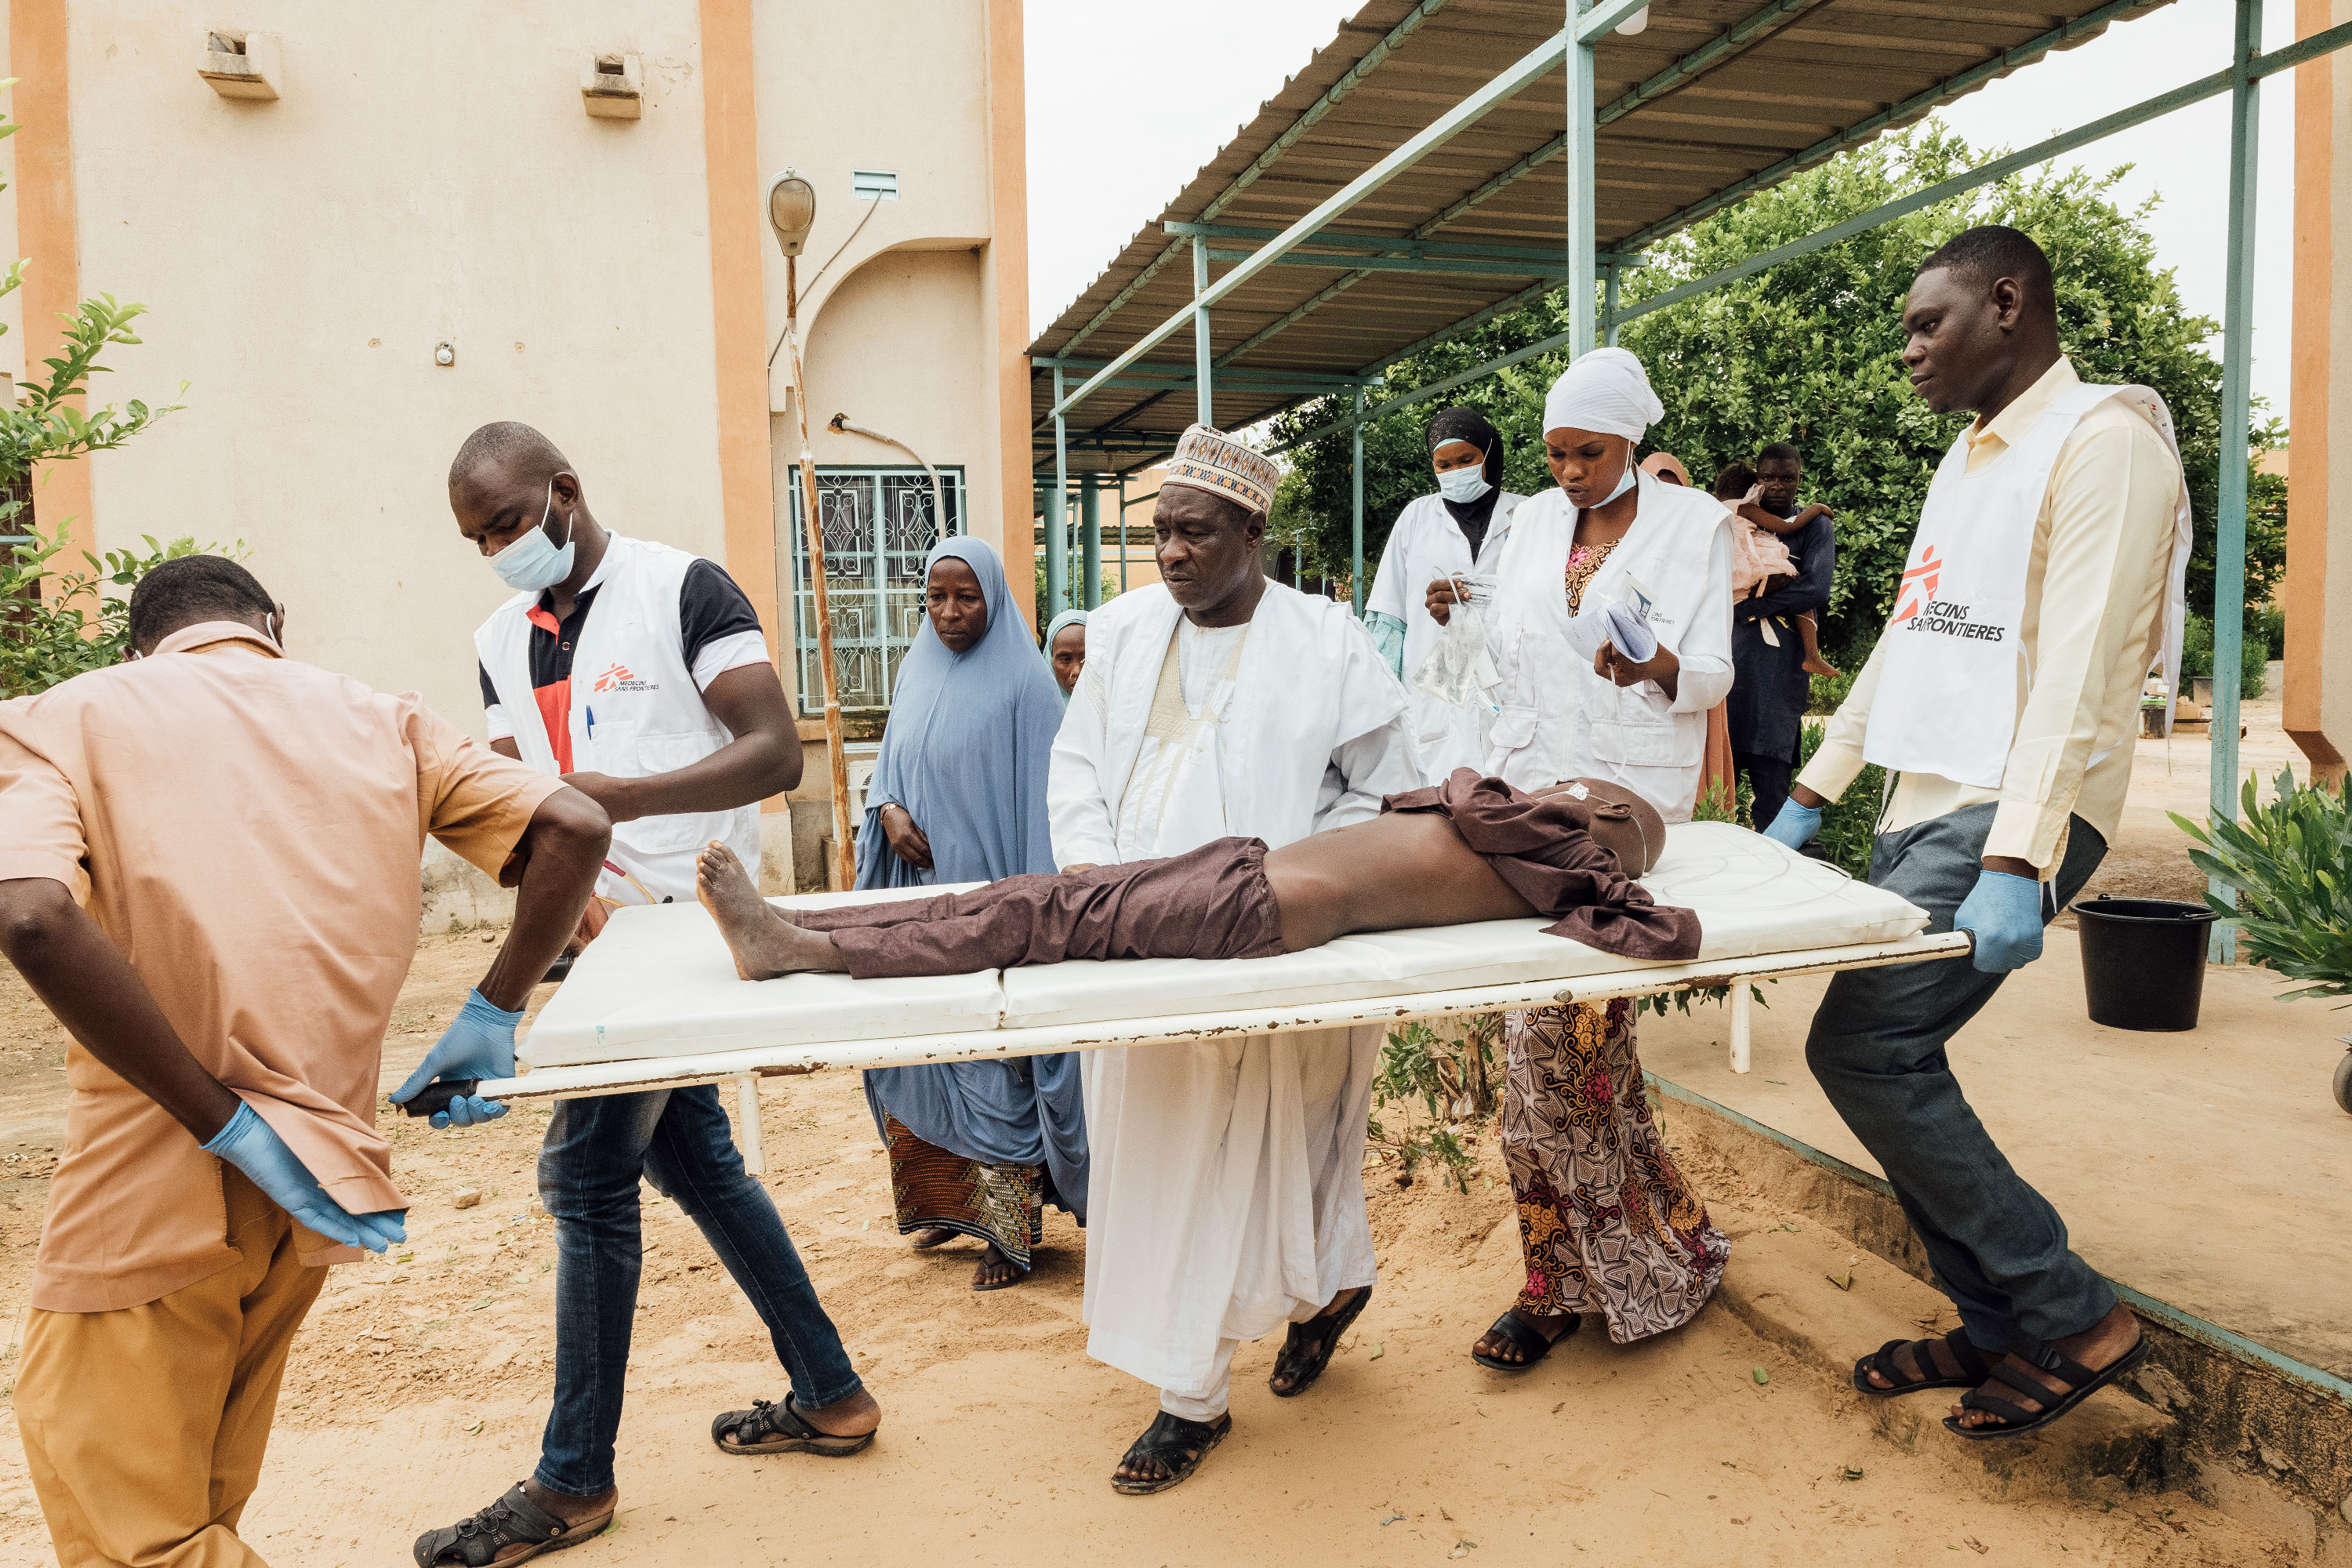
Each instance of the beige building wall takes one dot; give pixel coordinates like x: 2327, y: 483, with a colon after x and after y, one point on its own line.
x: 301, y: 259
x: 433, y: 178
x: 2317, y: 596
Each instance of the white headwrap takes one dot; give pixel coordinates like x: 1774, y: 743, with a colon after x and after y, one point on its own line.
x: 1607, y: 391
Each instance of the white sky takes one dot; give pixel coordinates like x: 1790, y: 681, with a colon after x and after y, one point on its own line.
x: 1124, y: 109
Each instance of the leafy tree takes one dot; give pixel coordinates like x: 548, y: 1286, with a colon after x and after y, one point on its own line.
x: 84, y: 623
x: 79, y: 625
x: 1806, y: 352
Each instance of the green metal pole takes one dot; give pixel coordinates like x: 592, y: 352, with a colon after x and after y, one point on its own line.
x: 1356, y: 482
x: 2230, y: 522
x: 1608, y: 305
x: 1203, y: 369
x: 1122, y: 534
x: 1058, y: 516
x: 1091, y: 539
x: 1045, y: 516
x: 1581, y: 223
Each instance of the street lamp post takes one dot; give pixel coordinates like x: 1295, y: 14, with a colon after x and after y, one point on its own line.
x: 792, y: 213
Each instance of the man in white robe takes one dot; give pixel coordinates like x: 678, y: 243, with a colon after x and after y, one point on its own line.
x: 1227, y: 1195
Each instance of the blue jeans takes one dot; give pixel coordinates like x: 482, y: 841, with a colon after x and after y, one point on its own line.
x: 678, y: 1140
x: 1998, y: 1248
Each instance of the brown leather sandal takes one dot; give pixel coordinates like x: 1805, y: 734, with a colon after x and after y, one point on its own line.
x: 513, y: 1521
x: 780, y: 1428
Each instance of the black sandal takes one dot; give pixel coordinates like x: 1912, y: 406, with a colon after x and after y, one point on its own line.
x: 1974, y: 1371
x: 1177, y: 1445
x: 1304, y: 1367
x: 1526, y: 1339
x: 1015, y: 1278
x: 2015, y: 1420
x: 767, y: 1428
x: 513, y: 1521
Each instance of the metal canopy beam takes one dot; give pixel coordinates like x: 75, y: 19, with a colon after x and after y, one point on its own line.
x: 1911, y: 107
x: 1386, y: 244
x: 1514, y: 80
x: 1550, y: 266
x: 1350, y: 80
x: 2220, y: 82
x: 1740, y: 36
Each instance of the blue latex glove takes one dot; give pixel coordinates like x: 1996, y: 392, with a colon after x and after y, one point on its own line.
x: 478, y: 1043
x: 2004, y: 913
x: 1797, y: 825
x: 252, y: 1146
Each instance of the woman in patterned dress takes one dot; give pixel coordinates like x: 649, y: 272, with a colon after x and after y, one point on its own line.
x: 977, y: 1149
x: 1608, y: 1224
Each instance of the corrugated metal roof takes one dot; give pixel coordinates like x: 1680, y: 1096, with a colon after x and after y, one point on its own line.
x: 1715, y: 97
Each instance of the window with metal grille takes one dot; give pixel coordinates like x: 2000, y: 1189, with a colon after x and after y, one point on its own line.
x: 874, y: 184
x: 879, y: 526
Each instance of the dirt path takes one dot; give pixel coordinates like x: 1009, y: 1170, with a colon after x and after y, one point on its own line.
x: 418, y: 1387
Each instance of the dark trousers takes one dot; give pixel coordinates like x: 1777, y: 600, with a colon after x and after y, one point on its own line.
x: 1998, y: 1248
x: 678, y: 1140
x: 1209, y: 902
x: 1769, y: 777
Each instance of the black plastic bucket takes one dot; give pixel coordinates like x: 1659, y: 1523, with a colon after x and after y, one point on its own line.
x: 2143, y: 962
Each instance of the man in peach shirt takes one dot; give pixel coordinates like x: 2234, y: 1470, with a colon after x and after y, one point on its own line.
x: 210, y: 878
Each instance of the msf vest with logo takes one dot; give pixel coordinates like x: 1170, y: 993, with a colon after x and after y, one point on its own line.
x: 1954, y: 666
x: 629, y: 672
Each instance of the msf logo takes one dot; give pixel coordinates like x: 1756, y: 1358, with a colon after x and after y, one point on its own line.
x: 1917, y: 588
x: 618, y: 679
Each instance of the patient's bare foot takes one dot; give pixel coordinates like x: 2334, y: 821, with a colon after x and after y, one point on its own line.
x: 765, y: 945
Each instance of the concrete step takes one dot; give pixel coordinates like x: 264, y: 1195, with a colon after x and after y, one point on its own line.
x: 1781, y: 1283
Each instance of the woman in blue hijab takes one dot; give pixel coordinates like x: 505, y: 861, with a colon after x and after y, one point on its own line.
x: 1065, y: 649
x: 959, y: 795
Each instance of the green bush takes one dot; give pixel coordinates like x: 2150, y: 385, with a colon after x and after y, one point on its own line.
x: 2253, y: 653
x: 1739, y: 809
x: 2290, y: 862
x: 77, y: 624
x: 80, y: 624
x: 2272, y: 621
x: 1850, y: 822
x: 1829, y: 690
x: 1456, y: 1078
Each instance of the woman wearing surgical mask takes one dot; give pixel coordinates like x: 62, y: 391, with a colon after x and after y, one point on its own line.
x: 1613, y: 560
x: 1578, y: 698
x: 1455, y: 535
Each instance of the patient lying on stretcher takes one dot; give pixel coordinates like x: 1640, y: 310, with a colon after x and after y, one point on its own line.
x: 1470, y: 849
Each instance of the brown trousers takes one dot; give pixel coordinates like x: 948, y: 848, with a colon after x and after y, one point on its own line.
x: 144, y: 1428
x: 1209, y: 902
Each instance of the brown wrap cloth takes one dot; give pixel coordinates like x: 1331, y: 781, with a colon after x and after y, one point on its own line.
x: 1544, y: 850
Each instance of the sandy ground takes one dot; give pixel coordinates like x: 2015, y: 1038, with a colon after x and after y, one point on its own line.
x: 419, y: 1384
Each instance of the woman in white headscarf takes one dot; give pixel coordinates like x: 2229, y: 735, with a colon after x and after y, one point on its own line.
x: 1607, y: 1222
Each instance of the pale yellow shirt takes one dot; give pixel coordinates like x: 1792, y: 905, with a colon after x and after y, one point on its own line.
x: 2093, y: 590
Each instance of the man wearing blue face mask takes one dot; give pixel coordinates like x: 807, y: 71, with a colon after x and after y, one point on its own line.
x: 639, y: 674
x: 1453, y: 536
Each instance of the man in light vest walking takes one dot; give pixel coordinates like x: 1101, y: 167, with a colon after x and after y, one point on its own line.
x: 2046, y: 576
x: 638, y: 673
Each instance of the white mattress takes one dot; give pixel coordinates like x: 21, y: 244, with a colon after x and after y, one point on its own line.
x: 660, y: 982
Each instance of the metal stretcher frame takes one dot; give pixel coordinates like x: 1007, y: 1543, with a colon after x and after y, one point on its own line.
x: 744, y: 1067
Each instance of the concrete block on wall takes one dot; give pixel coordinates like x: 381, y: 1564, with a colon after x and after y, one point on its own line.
x: 613, y: 86
x: 241, y: 65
